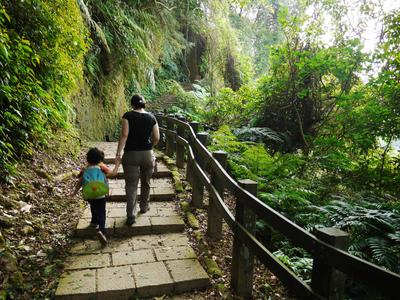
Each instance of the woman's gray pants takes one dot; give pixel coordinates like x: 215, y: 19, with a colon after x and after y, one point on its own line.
x: 137, y: 164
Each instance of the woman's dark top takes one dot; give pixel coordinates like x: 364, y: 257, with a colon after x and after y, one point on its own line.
x: 140, y: 128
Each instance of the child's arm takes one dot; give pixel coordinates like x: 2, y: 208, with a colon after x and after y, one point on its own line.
x: 78, y: 186
x: 109, y: 173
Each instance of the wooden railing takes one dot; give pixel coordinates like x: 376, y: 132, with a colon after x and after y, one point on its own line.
x: 327, y: 247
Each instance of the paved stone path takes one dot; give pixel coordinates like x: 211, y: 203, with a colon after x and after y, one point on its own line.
x: 150, y: 258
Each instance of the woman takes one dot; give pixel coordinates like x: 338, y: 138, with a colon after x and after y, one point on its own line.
x: 139, y: 133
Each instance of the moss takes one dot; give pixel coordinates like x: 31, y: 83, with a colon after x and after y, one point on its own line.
x: 175, y: 173
x: 28, y: 230
x: 266, y: 289
x: 185, y: 206
x: 212, y: 267
x: 110, y: 105
x: 169, y: 161
x: 198, y: 235
x: 193, y: 222
x: 222, y: 288
x: 177, y: 181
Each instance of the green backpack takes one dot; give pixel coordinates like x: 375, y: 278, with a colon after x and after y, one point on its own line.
x: 94, y: 183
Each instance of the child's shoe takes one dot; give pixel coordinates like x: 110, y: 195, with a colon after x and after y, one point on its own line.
x: 102, y: 238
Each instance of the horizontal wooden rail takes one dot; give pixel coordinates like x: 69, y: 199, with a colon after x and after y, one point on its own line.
x: 385, y: 281
x: 279, y: 269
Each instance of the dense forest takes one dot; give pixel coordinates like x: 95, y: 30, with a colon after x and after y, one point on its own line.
x: 293, y: 90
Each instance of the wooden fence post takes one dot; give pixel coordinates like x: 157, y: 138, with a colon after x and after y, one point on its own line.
x: 203, y: 138
x: 195, y: 126
x: 197, y: 186
x: 214, y: 221
x: 180, y: 149
x: 170, y: 140
x: 161, y: 143
x: 326, y: 280
x: 242, y: 256
x: 189, y: 171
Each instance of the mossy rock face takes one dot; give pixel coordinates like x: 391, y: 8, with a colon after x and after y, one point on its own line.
x: 185, y: 206
x: 212, y: 267
x: 193, y: 222
x: 28, y: 230
x: 6, y: 222
x: 9, y: 262
x: 9, y: 202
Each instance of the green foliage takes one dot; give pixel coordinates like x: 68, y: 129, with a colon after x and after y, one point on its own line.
x: 373, y: 224
x: 234, y: 108
x: 41, y: 55
x: 301, y: 266
x: 188, y: 103
x: 251, y: 160
x: 223, y: 139
x: 258, y: 35
x: 305, y: 85
x: 223, y: 63
x: 182, y: 102
x: 255, y: 134
x: 289, y: 184
x: 142, y: 38
x: 290, y: 196
x: 309, y: 97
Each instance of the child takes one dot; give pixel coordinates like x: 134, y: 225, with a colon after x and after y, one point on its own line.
x: 95, y: 158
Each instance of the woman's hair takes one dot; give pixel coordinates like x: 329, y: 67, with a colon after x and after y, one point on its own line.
x: 94, y: 156
x: 137, y: 101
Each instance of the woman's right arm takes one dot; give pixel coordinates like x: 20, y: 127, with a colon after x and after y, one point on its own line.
x: 122, y: 138
x: 155, y: 135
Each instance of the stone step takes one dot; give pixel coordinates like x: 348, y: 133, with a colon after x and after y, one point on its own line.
x: 111, y: 159
x: 161, y: 218
x: 141, y: 266
x: 161, y: 189
x: 162, y: 170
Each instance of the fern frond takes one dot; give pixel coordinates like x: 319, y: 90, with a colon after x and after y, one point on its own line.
x: 257, y: 134
x: 394, y: 236
x: 93, y: 25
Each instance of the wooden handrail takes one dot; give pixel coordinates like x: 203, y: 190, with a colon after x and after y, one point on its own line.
x: 384, y: 280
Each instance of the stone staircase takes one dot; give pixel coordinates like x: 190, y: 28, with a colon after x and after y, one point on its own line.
x: 148, y: 259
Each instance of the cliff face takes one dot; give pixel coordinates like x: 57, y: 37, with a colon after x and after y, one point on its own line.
x: 70, y: 65
x: 97, y: 117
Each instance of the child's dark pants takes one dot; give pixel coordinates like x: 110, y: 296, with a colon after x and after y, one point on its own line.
x: 98, y: 209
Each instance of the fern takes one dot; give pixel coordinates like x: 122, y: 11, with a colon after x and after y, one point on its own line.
x: 258, y: 134
x: 301, y: 266
x: 394, y: 236
x: 382, y: 252
x: 374, y: 230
